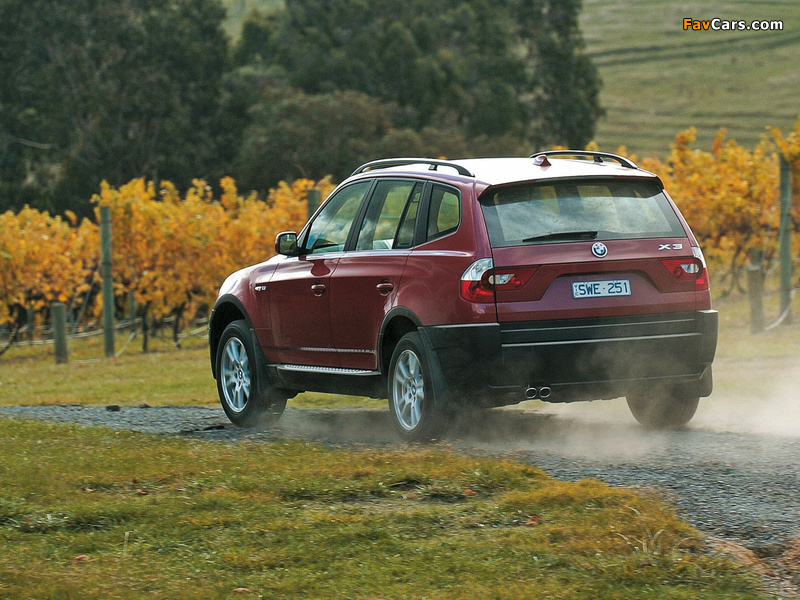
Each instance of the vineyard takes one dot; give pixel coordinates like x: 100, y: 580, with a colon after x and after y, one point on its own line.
x: 171, y: 252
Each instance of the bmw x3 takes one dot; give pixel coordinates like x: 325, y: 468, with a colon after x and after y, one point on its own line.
x: 448, y: 286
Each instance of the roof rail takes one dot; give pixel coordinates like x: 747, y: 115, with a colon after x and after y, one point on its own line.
x: 598, y: 157
x: 400, y: 162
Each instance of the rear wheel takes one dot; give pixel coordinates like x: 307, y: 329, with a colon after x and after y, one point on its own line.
x: 661, y: 410
x: 238, y: 381
x: 411, y: 392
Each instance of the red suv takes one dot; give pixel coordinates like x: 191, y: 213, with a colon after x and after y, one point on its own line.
x: 449, y: 285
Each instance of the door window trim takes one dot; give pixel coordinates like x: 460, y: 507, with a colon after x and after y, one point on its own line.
x: 352, y: 240
x: 301, y: 245
x: 421, y: 236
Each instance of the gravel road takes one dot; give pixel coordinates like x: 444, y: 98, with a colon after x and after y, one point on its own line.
x: 740, y: 486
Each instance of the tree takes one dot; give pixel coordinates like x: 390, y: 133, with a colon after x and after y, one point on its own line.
x: 107, y: 90
x: 299, y: 135
x: 480, y: 69
x: 566, y: 86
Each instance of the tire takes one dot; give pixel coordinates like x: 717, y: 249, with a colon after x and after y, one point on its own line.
x: 246, y: 402
x: 662, y: 410
x: 412, y: 394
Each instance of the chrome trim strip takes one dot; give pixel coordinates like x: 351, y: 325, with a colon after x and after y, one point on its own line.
x: 326, y: 370
x: 602, y: 340
x: 345, y: 350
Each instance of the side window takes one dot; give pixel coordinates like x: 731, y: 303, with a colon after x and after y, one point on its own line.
x: 381, y: 223
x: 405, y: 233
x: 329, y: 231
x: 444, y: 214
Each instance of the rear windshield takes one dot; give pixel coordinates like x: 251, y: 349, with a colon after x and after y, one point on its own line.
x: 568, y: 211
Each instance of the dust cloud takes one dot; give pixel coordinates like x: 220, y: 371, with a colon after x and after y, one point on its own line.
x: 603, y: 430
x: 765, y: 400
x: 760, y: 398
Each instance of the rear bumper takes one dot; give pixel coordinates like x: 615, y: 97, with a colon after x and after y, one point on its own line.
x: 578, y: 359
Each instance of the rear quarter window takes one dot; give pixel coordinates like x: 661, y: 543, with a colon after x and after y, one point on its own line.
x: 615, y: 208
x: 444, y: 214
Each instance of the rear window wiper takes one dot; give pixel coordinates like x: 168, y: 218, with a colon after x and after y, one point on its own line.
x: 564, y: 235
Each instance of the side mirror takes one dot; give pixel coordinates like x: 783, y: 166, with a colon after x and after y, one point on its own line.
x: 286, y: 243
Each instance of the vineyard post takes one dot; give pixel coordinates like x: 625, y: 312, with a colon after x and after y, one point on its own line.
x: 30, y: 315
x: 132, y: 311
x: 59, y: 314
x: 314, y: 197
x: 108, y: 290
x: 755, y: 291
x: 785, y: 243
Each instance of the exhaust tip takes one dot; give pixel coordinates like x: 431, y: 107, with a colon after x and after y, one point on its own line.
x: 544, y: 392
x: 531, y: 393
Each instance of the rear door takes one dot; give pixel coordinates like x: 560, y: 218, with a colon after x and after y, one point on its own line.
x: 588, y: 248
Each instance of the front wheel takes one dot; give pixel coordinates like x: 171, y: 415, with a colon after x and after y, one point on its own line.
x: 411, y: 392
x: 238, y: 381
x: 661, y: 410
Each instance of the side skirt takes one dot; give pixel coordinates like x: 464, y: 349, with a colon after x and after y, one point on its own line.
x: 328, y: 380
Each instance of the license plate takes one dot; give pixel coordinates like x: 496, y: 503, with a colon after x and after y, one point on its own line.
x: 601, y: 289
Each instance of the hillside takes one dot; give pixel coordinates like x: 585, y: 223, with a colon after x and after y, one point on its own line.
x: 659, y: 79
x: 239, y: 9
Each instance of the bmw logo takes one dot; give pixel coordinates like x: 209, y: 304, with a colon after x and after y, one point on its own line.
x: 599, y: 249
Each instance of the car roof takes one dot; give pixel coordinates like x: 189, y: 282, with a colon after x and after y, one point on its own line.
x: 500, y: 171
x: 503, y: 171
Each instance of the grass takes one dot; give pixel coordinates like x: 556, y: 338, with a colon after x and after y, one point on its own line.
x: 754, y: 374
x: 659, y: 79
x: 91, y: 513
x: 163, y: 377
x: 239, y: 9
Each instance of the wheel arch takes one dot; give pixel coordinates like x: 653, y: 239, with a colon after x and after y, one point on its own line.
x: 398, y: 322
x: 227, y: 309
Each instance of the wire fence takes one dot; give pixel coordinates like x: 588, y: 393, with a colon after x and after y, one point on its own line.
x: 45, y: 335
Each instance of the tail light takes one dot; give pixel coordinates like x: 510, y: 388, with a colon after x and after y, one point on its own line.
x: 689, y: 269
x: 475, y: 285
x: 481, y: 280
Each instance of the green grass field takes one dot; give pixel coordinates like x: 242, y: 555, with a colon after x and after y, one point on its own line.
x: 165, y: 376
x: 239, y: 9
x: 660, y: 79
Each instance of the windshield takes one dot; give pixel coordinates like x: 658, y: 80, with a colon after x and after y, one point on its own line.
x: 577, y: 210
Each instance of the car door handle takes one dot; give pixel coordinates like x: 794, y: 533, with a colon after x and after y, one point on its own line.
x: 318, y: 289
x: 385, y: 288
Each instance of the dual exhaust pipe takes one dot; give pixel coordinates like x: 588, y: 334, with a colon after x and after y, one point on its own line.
x: 541, y: 393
